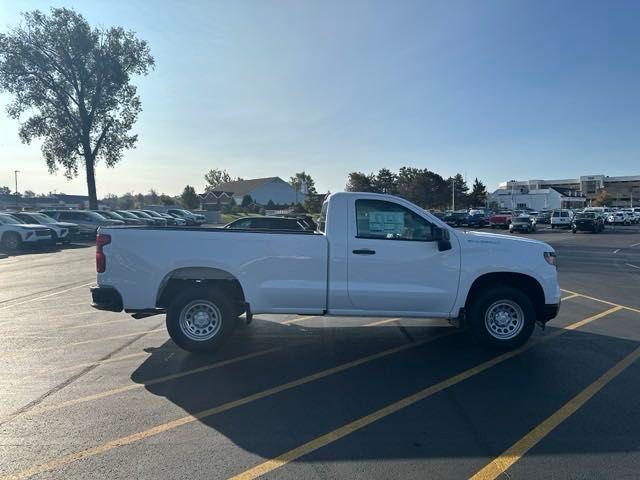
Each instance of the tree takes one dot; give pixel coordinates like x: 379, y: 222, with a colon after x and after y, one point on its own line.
x: 215, y: 177
x: 385, y: 181
x: 74, y: 80
x: 246, y: 201
x: 461, y: 190
x: 152, y: 198
x: 478, y: 195
x: 271, y: 205
x: 302, y: 182
x: 602, y: 199
x: 127, y: 201
x: 5, y: 191
x: 140, y: 203
x: 359, y: 182
x: 167, y: 200
x: 189, y: 198
x: 313, y: 203
x: 29, y: 193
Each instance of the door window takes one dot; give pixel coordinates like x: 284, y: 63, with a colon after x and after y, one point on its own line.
x: 384, y: 220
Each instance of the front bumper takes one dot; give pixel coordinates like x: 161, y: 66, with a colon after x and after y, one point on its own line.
x: 550, y: 311
x: 106, y: 298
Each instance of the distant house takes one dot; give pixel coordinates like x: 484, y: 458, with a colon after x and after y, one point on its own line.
x: 263, y: 190
x: 214, y: 200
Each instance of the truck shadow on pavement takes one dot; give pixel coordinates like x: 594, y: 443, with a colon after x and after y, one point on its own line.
x: 477, y: 418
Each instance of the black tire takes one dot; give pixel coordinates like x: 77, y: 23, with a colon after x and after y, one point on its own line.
x: 552, y: 227
x: 213, y: 303
x: 489, y: 299
x: 11, y: 242
x: 573, y: 230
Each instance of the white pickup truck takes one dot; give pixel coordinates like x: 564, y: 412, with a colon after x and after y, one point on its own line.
x: 373, y: 255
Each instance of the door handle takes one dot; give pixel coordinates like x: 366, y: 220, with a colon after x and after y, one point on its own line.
x: 364, y: 251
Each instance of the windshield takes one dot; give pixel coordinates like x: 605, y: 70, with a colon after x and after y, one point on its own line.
x: 10, y: 219
x: 586, y: 215
x: 127, y: 215
x: 42, y: 218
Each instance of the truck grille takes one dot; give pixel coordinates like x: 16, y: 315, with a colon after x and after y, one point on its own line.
x: 42, y: 233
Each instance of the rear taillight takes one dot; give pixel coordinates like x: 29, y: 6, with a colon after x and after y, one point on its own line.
x: 102, y: 239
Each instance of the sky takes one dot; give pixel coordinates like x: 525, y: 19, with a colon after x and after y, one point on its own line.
x: 497, y: 90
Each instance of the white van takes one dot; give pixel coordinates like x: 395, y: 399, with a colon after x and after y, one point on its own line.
x: 561, y: 218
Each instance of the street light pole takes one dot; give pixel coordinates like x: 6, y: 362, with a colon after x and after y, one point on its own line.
x: 453, y: 194
x: 15, y: 173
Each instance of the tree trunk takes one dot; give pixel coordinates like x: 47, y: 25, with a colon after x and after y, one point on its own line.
x: 91, y: 182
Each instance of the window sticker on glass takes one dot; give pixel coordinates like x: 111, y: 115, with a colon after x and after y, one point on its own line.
x: 386, y: 222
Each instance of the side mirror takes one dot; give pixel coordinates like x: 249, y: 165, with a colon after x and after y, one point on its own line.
x: 441, y: 236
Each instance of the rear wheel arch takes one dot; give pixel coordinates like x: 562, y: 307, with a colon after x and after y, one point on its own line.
x: 186, y: 278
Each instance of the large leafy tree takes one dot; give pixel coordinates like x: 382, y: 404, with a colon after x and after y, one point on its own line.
x: 302, y: 182
x: 215, y: 177
x: 74, y: 82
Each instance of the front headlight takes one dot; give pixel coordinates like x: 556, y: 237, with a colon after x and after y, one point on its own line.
x: 550, y: 257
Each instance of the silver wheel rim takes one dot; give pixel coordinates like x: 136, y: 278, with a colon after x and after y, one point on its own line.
x: 504, y: 319
x: 200, y: 320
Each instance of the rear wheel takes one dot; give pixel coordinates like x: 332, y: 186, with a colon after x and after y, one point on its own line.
x: 199, y: 319
x: 502, y: 317
x: 11, y: 242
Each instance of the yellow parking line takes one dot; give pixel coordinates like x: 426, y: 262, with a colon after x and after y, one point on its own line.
x: 637, y: 310
x: 296, y: 320
x: 510, y: 456
x: 73, y: 344
x: 105, y: 447
x: 381, y: 322
x: 154, y: 381
x: 362, y: 422
x: 569, y: 297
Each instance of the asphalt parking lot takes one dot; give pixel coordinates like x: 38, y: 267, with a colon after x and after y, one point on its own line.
x: 89, y: 394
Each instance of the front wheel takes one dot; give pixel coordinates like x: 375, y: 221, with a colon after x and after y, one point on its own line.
x: 502, y: 317
x: 199, y: 319
x: 11, y: 242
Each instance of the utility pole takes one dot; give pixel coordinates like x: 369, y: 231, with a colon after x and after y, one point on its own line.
x: 15, y: 173
x: 453, y: 194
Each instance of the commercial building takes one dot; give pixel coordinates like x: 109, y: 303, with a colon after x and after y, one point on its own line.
x: 537, y: 199
x: 624, y: 191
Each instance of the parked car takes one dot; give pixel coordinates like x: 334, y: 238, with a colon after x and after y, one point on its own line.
x: 373, y: 255
x: 306, y: 220
x: 501, y: 219
x: 456, y: 219
x: 157, y: 221
x: 14, y: 234
x: 632, y: 215
x: 618, y: 218
x: 587, y: 222
x: 63, y: 232
x: 130, y: 216
x: 267, y: 223
x: 88, y: 222
x: 189, y: 217
x: 523, y: 223
x: 561, y: 219
x: 171, y: 221
x: 477, y: 220
x: 543, y: 217
x: 110, y: 214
